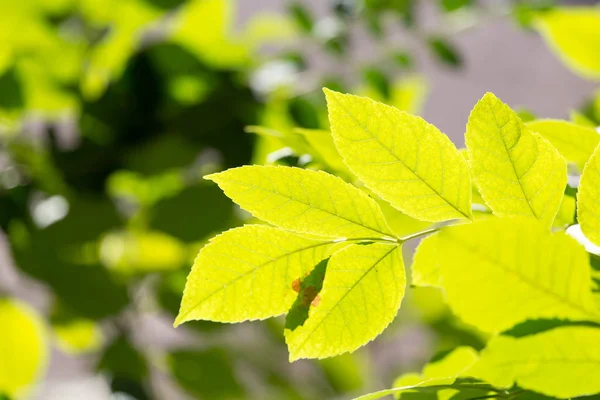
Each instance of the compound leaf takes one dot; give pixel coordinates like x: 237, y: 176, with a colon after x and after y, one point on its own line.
x: 516, y: 170
x: 401, y: 157
x: 574, y: 35
x: 304, y: 201
x: 247, y: 273
x: 562, y: 362
x: 574, y: 142
x: 363, y: 288
x: 499, y: 272
x: 588, y: 199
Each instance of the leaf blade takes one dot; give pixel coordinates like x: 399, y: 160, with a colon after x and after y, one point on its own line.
x: 576, y: 143
x: 402, y: 158
x: 517, y: 171
x: 351, y: 274
x: 499, y: 272
x: 588, y: 209
x: 304, y: 201
x: 562, y: 362
x: 246, y: 273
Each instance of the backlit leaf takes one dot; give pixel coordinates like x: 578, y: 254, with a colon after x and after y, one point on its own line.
x: 23, y: 348
x: 499, y: 272
x: 247, y: 273
x: 305, y: 201
x: 361, y: 294
x: 425, y: 268
x: 588, y: 199
x: 574, y: 35
x: 563, y: 362
x: 516, y: 170
x: 574, y: 142
x: 402, y: 158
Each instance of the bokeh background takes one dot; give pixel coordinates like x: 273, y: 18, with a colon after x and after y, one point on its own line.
x: 111, y: 111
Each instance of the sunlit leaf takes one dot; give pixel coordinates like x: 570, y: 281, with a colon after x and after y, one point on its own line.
x: 573, y: 34
x: 574, y: 142
x: 248, y: 273
x: 402, y: 158
x: 588, y: 199
x: 305, y: 201
x: 361, y: 294
x: 23, y: 348
x: 563, y: 362
x: 516, y: 170
x: 499, y: 272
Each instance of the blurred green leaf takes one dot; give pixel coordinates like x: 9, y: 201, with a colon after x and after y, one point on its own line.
x: 207, y: 373
x: 301, y: 15
x: 445, y: 52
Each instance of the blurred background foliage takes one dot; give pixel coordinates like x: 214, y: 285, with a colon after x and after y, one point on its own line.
x: 111, y: 111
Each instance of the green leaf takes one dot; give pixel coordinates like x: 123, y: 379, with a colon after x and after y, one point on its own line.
x: 516, y: 170
x: 247, y: 273
x: 402, y: 158
x: 304, y: 201
x: 425, y: 267
x: 23, y: 348
x: 445, y: 51
x: 575, y: 143
x: 435, y: 389
x: 499, y: 272
x: 362, y: 291
x: 562, y: 362
x: 588, y: 199
x: 574, y: 35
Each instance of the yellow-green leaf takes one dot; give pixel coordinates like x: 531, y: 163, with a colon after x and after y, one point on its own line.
x: 575, y: 143
x: 305, y: 201
x: 425, y: 267
x: 499, y: 272
x: 562, y: 362
x: 588, y: 199
x: 363, y: 288
x: 574, y: 35
x: 401, y: 157
x: 23, y: 348
x: 247, y: 274
x: 516, y: 170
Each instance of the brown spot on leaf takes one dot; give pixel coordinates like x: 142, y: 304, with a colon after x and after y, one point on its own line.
x: 296, y: 285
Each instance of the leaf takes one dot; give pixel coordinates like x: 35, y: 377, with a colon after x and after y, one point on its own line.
x: 442, y: 371
x: 516, y: 170
x: 247, y: 273
x: 425, y: 267
x: 23, y: 348
x: 362, y: 291
x: 562, y: 362
x: 499, y: 272
x: 322, y: 142
x: 445, y: 52
x: 575, y: 143
x: 304, y: 201
x: 402, y: 158
x: 566, y: 213
x: 588, y: 199
x: 435, y: 389
x: 574, y: 35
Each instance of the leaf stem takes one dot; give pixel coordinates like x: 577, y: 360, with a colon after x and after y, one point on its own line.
x: 418, y: 234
